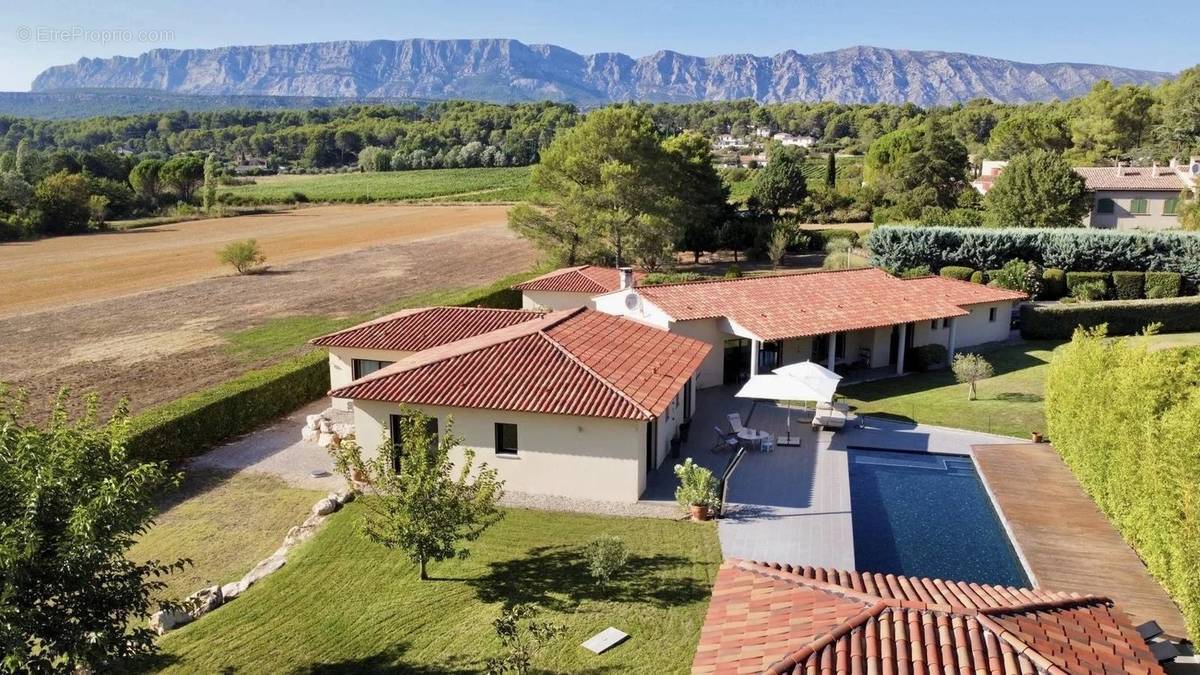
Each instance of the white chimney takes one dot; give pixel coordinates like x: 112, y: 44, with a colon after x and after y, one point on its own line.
x: 625, y: 274
x: 1154, y: 168
x: 1174, y: 163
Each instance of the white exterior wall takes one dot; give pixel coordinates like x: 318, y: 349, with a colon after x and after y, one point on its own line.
x: 554, y: 300
x: 976, y: 329
x: 1122, y: 219
x: 712, y: 369
x: 341, y: 369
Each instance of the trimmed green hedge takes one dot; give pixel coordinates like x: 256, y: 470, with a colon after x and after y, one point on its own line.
x: 957, y: 272
x: 897, y: 248
x: 1124, y: 317
x: 1124, y: 420
x: 1076, y: 278
x: 1054, y: 283
x: 978, y: 277
x: 1163, y: 285
x: 819, y: 238
x: 1129, y: 285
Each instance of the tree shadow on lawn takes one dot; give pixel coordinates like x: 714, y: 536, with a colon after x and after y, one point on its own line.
x: 556, y: 577
x: 390, y: 660
x: 1012, y: 360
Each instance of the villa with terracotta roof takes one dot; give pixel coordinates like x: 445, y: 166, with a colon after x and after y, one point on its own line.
x: 862, y: 318
x: 779, y: 619
x: 573, y: 403
x: 573, y: 286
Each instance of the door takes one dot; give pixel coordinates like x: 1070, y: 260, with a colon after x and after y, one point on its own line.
x: 737, y: 360
x: 651, y: 444
x: 894, y: 346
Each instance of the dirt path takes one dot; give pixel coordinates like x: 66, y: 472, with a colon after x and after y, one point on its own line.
x: 62, y: 271
x: 157, y: 345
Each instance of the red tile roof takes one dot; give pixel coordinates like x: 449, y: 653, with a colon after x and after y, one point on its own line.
x: 582, y: 279
x: 963, y: 293
x: 1131, y: 178
x: 779, y: 619
x: 782, y: 306
x: 413, y: 330
x: 572, y: 362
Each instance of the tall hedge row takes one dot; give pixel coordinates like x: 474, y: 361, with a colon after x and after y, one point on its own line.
x: 1127, y: 422
x: 1124, y: 317
x: 899, y: 248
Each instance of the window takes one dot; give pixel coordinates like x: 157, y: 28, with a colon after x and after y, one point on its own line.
x: 945, y: 323
x: 992, y: 314
x: 651, y: 444
x: 396, y: 424
x: 839, y: 346
x: 1171, y: 206
x: 1105, y: 205
x: 364, y: 367
x: 933, y: 325
x: 506, y: 439
x: 1138, y: 206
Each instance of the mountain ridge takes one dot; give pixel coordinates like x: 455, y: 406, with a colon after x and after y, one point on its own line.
x: 507, y: 70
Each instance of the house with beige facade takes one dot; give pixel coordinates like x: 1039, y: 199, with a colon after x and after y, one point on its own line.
x: 573, y: 403
x: 573, y: 286
x: 845, y: 320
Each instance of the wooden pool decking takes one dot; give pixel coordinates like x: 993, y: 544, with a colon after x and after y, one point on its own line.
x: 1067, y: 542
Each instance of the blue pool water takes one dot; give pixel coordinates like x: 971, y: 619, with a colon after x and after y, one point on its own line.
x: 927, y: 515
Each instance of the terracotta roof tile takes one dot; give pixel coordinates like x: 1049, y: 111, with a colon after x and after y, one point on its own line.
x: 582, y: 279
x: 413, y: 330
x: 963, y: 293
x: 1131, y: 178
x: 573, y: 362
x: 777, y: 307
x: 791, y: 620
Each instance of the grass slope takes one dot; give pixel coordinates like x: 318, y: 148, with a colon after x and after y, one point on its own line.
x: 346, y: 605
x: 207, y: 520
x: 481, y: 184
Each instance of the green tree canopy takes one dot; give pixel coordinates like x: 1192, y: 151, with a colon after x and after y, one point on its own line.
x: 183, y: 173
x: 703, y: 198
x: 1037, y: 189
x: 780, y: 184
x: 145, y: 178
x: 62, y: 203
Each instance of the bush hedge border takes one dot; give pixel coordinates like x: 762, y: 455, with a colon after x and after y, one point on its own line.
x: 1124, y: 317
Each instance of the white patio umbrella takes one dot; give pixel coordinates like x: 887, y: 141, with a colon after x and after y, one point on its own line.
x: 783, y: 388
x: 816, y: 377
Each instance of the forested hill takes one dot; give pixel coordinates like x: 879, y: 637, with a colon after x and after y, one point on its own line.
x: 508, y: 70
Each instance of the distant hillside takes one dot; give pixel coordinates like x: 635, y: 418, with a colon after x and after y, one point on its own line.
x: 508, y: 70
x: 80, y: 103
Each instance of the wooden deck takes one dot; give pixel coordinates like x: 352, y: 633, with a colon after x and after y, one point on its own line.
x: 1066, y: 541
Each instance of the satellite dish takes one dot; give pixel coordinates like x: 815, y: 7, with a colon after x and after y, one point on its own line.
x: 1196, y: 168
x: 632, y: 301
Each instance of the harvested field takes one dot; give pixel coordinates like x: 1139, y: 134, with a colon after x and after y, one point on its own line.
x: 174, y: 337
x: 59, y: 271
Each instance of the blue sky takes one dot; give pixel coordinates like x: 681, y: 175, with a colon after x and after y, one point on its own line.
x: 1151, y: 35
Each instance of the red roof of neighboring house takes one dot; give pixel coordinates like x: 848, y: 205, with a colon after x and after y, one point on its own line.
x: 582, y: 279
x: 572, y: 362
x: 1131, y: 178
x: 413, y: 330
x: 779, y: 619
x: 963, y: 293
x: 782, y: 306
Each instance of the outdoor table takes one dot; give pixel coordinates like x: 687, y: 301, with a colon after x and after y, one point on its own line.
x: 753, y: 437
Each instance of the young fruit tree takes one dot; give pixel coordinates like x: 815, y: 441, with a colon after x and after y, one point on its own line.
x: 245, y: 256
x: 522, y: 635
x: 969, y: 369
x: 606, y: 556
x: 72, y: 502
x: 420, y: 503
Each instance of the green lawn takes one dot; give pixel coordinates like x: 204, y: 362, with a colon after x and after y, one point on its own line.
x: 224, y: 524
x: 490, y: 184
x: 344, y: 604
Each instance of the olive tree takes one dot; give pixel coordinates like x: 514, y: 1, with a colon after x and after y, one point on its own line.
x: 970, y: 369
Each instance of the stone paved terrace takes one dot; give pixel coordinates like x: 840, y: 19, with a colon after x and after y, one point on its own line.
x: 1067, y: 542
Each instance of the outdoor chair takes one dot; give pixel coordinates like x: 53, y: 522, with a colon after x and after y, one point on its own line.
x: 724, y: 441
x: 767, y: 444
x: 735, y: 422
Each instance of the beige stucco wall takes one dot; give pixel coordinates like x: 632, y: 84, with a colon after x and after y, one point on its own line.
x: 976, y: 329
x: 341, y: 370
x: 560, y: 455
x: 554, y: 300
x: 712, y: 370
x: 1122, y: 219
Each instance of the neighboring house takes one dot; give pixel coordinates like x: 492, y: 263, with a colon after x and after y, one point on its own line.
x: 782, y: 620
x: 988, y: 170
x: 727, y: 141
x: 573, y: 403
x: 1135, y: 198
x: 864, y: 318
x: 363, y: 349
x: 571, y: 287
x: 797, y: 141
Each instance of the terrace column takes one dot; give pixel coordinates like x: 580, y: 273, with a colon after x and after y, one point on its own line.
x: 754, y: 346
x: 831, y: 355
x: 950, y: 341
x: 901, y: 349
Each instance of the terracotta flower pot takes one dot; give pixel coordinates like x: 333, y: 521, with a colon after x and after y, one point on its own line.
x: 700, y: 512
x: 1036, y: 437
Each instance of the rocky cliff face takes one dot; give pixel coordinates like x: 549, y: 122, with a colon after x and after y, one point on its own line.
x: 508, y: 70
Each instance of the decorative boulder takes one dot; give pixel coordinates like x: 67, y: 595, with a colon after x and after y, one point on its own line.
x: 309, y: 434
x: 263, y: 568
x: 325, y: 507
x: 326, y: 426
x: 232, y: 589
x: 313, y: 422
x: 326, y: 439
x: 343, y: 429
x: 169, y: 619
x: 204, y: 601
x: 346, y: 496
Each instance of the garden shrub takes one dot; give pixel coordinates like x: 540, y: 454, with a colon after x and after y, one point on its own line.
x: 925, y: 357
x: 1012, y: 276
x: 1124, y: 317
x: 656, y: 278
x: 1129, y: 285
x: 915, y: 272
x: 1054, y: 283
x: 898, y: 247
x: 734, y: 272
x: 819, y: 239
x: 1089, y: 291
x: 978, y: 277
x: 1076, y: 278
x: 1163, y: 285
x: 1124, y: 420
x: 957, y: 272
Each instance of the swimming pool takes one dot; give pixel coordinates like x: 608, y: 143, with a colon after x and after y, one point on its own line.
x: 927, y: 515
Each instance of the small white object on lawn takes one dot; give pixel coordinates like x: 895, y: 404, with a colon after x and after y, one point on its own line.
x: 604, y: 640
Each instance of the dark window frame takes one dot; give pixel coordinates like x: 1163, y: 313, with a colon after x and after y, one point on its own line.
x: 991, y: 314
x: 1106, y: 206
x: 502, y: 448
x: 356, y: 366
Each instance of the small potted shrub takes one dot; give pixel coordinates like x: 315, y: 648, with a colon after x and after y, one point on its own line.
x: 697, y: 491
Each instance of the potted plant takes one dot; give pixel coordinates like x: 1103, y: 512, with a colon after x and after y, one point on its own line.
x: 697, y: 491
x: 1036, y: 436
